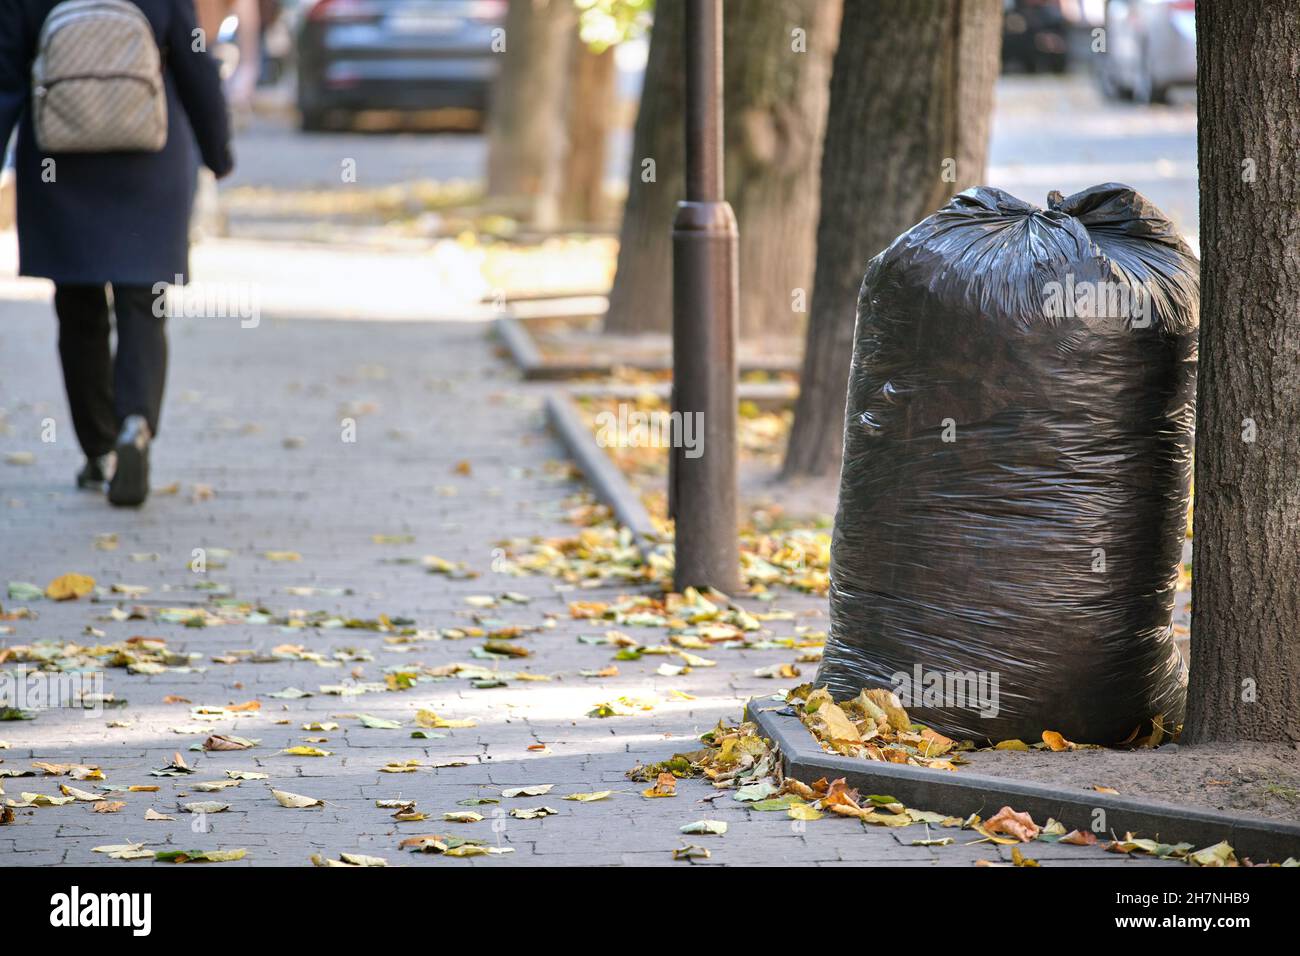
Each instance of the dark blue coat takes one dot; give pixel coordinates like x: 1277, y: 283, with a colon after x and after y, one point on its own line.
x: 113, y: 217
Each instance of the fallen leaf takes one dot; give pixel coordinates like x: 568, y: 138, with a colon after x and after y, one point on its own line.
x: 199, y: 856
x: 69, y: 587
x: 295, y: 801
x: 804, y: 811
x: 1019, y: 859
x: 205, y: 806
x: 378, y: 723
x: 532, y: 814
x: 1220, y: 854
x: 1056, y: 742
x: 536, y: 790
x: 713, y: 827
x: 1019, y: 825
x: 691, y: 852
x: 301, y: 751
x: 665, y: 786
x: 125, y: 851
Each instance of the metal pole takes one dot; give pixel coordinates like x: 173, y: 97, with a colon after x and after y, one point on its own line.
x: 702, y: 470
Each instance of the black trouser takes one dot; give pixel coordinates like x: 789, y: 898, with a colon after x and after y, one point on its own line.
x: 104, y: 389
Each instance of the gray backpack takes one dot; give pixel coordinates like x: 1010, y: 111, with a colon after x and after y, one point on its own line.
x: 97, y: 82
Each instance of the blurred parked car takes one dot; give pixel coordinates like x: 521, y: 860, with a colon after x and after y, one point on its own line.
x: 356, y: 55
x: 1035, y: 36
x: 1150, y: 48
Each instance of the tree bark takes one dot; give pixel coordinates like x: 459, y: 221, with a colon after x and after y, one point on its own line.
x: 641, y: 297
x: 776, y: 61
x: 591, y: 104
x: 1245, y: 653
x: 910, y: 104
x: 526, y: 122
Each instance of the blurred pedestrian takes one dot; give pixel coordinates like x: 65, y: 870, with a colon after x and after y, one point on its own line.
x: 239, y: 63
x: 105, y: 166
x: 241, y: 80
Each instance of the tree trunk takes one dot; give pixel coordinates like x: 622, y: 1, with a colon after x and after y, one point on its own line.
x: 1245, y: 657
x: 910, y: 104
x: 778, y: 92
x: 526, y: 122
x: 591, y: 105
x: 641, y: 298
x: 776, y: 58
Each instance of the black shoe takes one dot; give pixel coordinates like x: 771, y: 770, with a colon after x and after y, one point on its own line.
x: 130, y: 484
x: 93, y: 475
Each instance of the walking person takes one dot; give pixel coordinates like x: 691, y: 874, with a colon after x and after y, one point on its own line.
x: 115, y: 101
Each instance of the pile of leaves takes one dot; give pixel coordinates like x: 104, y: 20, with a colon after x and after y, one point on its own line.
x: 139, y: 655
x: 761, y: 434
x: 873, y: 726
x: 604, y: 552
x: 739, y: 759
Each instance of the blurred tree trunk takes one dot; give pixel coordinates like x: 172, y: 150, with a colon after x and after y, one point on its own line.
x: 641, y: 298
x: 1245, y: 660
x: 526, y: 122
x: 591, y: 105
x: 910, y: 104
x: 776, y: 61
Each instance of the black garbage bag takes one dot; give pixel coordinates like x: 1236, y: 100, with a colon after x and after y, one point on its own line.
x: 1017, y: 459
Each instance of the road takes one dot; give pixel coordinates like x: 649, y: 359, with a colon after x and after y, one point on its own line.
x: 1049, y: 133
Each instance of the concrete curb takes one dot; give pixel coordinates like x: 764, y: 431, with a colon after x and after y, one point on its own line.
x: 518, y: 340
x: 606, y: 480
x: 769, y: 396
x: 963, y: 793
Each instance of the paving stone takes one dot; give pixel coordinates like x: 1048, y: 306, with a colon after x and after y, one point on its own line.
x: 424, y: 396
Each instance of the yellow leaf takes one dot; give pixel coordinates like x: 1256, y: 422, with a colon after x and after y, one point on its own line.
x: 834, y: 722
x: 429, y: 719
x: 1019, y: 859
x: 1220, y: 854
x: 1056, y: 742
x: 804, y: 811
x: 69, y: 587
x: 301, y: 751
x: 589, y: 797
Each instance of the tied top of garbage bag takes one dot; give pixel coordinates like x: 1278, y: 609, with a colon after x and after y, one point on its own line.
x: 1017, y: 460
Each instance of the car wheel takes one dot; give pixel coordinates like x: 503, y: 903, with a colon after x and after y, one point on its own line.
x: 1145, y: 88
x: 1111, y: 88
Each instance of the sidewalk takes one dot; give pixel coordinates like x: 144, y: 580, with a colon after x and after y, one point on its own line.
x: 251, y: 432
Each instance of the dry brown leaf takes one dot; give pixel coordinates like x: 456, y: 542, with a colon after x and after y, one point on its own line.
x: 1019, y: 825
x: 665, y: 786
